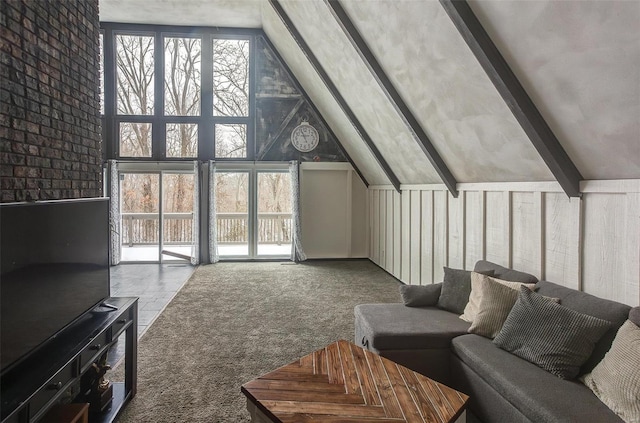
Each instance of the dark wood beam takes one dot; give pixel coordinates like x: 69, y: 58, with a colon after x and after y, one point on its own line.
x: 509, y: 87
x: 334, y: 92
x: 392, y: 94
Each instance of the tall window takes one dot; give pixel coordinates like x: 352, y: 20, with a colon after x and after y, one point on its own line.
x: 231, y: 96
x: 182, y: 76
x: 183, y: 94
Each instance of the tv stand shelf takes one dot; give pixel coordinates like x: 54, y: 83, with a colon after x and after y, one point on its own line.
x: 52, y: 373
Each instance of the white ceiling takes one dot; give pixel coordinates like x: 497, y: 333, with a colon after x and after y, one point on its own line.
x: 578, y: 60
x: 222, y: 13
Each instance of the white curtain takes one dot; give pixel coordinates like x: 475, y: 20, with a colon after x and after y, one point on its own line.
x: 213, y: 232
x: 195, y: 249
x: 114, y: 212
x: 297, y: 253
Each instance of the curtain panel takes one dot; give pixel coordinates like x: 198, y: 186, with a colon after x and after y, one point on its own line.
x: 195, y: 229
x: 297, y: 252
x: 213, y: 232
x: 114, y: 212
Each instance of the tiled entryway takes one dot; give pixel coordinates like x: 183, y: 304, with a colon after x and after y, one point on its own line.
x: 154, y: 284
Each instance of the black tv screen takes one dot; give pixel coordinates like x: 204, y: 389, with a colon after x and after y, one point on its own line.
x: 54, y: 258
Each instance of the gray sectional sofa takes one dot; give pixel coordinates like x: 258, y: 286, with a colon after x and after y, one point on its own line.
x: 502, y: 386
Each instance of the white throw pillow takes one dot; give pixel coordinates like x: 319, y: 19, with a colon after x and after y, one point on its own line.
x: 477, y: 283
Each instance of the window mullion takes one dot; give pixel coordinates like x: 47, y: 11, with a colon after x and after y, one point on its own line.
x: 158, y: 141
x: 206, y: 132
x: 251, y: 128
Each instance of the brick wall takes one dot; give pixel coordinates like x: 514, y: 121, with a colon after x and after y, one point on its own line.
x: 49, y: 105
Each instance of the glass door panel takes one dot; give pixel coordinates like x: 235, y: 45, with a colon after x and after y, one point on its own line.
x: 178, y: 190
x: 274, y: 214
x: 139, y: 193
x: 232, y: 213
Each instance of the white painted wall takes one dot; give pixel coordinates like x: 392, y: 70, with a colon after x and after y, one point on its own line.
x: 333, y: 211
x: 591, y: 244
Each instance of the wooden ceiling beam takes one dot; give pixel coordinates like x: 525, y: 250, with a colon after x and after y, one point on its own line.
x: 334, y: 92
x: 512, y: 92
x: 393, y: 95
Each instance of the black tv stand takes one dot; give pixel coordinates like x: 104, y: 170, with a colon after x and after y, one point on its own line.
x: 111, y: 307
x: 52, y: 374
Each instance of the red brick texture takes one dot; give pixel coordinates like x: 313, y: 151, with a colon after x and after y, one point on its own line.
x: 49, y: 106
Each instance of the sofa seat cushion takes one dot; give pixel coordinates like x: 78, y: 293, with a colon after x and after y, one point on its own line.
x: 539, y: 395
x: 396, y: 327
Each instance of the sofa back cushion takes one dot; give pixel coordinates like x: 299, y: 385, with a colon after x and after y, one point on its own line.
x: 612, y: 311
x: 499, y: 272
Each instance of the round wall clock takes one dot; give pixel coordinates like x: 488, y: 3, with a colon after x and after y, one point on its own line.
x: 304, y: 137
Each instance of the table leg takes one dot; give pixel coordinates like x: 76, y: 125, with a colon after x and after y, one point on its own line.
x: 257, y: 416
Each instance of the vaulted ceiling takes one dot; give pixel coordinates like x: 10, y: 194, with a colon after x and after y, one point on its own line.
x: 578, y: 61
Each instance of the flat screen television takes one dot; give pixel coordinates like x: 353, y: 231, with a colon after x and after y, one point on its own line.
x: 54, y: 258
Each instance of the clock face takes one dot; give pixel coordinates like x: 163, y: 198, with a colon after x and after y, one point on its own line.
x: 304, y: 137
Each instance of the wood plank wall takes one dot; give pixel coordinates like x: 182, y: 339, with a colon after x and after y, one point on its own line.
x: 591, y: 244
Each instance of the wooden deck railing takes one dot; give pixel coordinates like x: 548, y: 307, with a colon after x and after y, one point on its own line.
x: 232, y: 228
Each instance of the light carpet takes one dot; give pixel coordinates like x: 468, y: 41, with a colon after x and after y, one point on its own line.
x: 233, y: 322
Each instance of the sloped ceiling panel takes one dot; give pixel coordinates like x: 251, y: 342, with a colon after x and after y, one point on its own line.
x: 321, y: 97
x: 348, y: 72
x: 223, y: 13
x: 579, y: 62
x: 438, y: 76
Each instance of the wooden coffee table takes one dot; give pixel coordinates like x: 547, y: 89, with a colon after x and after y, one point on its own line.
x: 345, y: 383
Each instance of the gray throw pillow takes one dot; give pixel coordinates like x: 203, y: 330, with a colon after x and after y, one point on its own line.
x: 555, y: 338
x: 420, y: 295
x: 495, y: 305
x: 456, y: 288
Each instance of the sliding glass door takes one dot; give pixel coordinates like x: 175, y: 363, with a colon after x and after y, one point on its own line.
x: 253, y: 212
x: 232, y: 214
x: 140, y: 216
x: 157, y: 213
x: 274, y: 214
x: 178, y: 227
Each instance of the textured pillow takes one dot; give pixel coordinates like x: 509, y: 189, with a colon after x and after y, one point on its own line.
x: 420, y: 295
x: 456, y: 288
x: 634, y: 315
x: 495, y: 305
x: 616, y: 379
x: 555, y: 338
x: 471, y: 309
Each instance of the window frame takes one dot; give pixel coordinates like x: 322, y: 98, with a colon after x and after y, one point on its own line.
x: 205, y: 121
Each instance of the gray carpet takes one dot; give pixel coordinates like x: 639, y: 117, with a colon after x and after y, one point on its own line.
x: 233, y: 322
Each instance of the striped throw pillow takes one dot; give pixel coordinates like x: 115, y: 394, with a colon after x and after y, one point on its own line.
x: 477, y: 289
x: 555, y: 338
x: 496, y: 303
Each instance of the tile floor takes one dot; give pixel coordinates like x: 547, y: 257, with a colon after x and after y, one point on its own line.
x: 155, y: 285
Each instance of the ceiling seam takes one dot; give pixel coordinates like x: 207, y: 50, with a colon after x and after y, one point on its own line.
x: 334, y: 92
x: 394, y: 97
x: 514, y: 95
